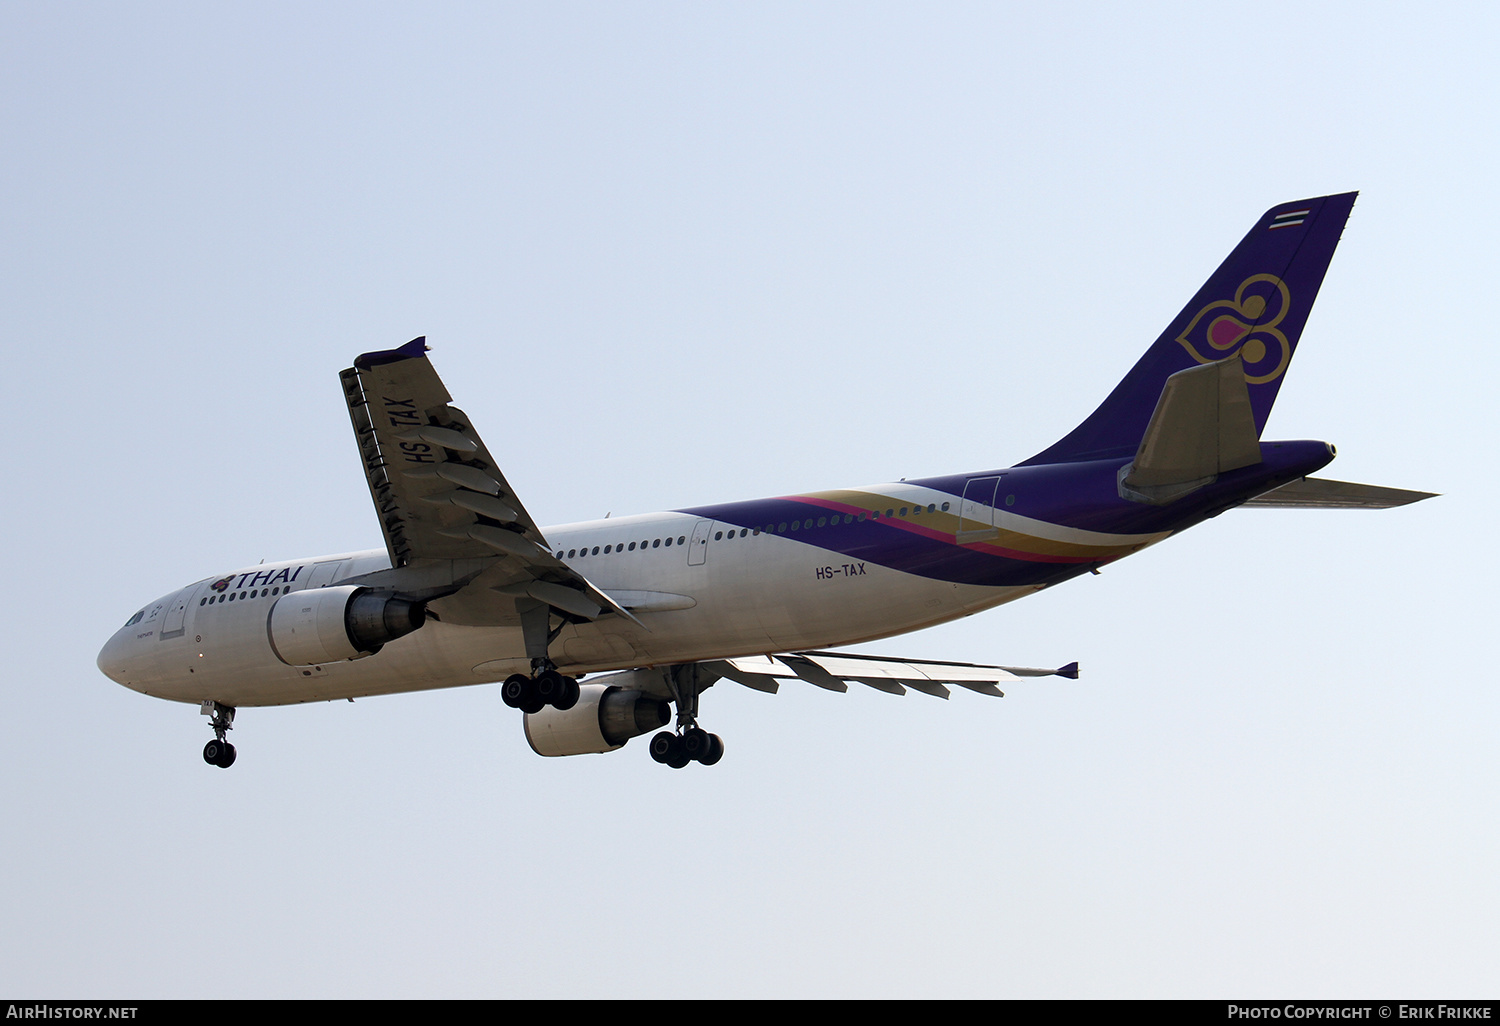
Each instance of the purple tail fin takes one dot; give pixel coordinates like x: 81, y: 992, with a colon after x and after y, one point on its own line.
x: 1253, y: 306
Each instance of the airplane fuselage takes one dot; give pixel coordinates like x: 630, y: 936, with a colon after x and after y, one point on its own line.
x: 812, y: 571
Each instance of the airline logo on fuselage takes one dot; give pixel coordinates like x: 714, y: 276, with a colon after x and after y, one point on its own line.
x: 1244, y: 325
x: 259, y: 579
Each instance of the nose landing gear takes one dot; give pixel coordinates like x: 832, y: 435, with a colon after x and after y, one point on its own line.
x: 219, y: 752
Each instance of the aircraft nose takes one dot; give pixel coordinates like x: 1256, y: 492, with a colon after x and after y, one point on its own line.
x: 114, y: 659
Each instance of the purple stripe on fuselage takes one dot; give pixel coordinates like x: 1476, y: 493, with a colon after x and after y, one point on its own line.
x: 888, y: 543
x: 1086, y: 495
x: 1078, y: 495
x: 945, y: 537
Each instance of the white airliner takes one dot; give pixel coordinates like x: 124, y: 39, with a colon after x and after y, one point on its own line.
x: 469, y: 590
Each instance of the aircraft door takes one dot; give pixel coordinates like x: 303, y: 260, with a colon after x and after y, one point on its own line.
x: 175, y: 625
x: 698, y: 543
x: 976, y: 514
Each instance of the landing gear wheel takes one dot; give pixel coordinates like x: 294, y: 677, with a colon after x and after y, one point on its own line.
x: 520, y: 692
x: 695, y: 743
x: 552, y: 688
x: 678, y: 757
x: 569, y: 697
x: 715, y: 750
x: 219, y: 753
x: 513, y: 691
x: 661, y: 746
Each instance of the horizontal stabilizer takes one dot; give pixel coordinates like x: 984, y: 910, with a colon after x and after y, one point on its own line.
x: 1319, y: 493
x: 833, y: 671
x: 1202, y: 427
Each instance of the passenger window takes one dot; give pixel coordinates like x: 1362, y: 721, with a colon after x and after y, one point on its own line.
x: 656, y: 544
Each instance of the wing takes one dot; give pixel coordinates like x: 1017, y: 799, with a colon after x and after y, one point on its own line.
x: 832, y: 670
x: 452, y: 523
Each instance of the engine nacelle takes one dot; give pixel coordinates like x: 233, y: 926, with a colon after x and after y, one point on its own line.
x: 327, y: 625
x: 605, y: 717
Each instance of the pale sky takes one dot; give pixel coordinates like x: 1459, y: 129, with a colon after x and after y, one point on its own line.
x: 675, y: 254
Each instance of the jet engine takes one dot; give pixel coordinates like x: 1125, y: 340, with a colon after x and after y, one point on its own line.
x: 605, y: 717
x: 326, y: 625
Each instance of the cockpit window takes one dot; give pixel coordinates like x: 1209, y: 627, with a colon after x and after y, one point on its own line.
x: 135, y: 619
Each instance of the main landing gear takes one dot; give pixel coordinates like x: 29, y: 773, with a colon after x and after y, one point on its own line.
x: 219, y: 752
x: 690, y: 743
x: 544, y: 687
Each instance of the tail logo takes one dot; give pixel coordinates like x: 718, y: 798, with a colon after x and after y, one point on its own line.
x: 1244, y: 326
